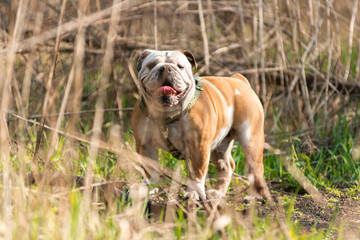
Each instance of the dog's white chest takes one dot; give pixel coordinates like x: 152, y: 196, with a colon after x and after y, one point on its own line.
x: 178, y: 132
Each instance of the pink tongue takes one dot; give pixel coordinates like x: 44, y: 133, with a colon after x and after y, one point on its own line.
x: 165, y: 91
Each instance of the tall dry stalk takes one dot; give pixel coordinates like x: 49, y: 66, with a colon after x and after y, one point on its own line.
x: 357, y: 70
x: 29, y: 70
x: 243, y: 35
x: 78, y: 65
x: 256, y: 56
x: 313, y: 91
x: 75, y: 83
x: 49, y: 95
x: 86, y: 208
x: 330, y: 38
x: 22, y: 128
x: 204, y: 37
x: 350, y: 44
x: 211, y: 27
x: 311, y: 16
x: 7, y: 75
x: 242, y: 22
x: 155, y: 26
x: 280, y: 42
x: 262, y: 53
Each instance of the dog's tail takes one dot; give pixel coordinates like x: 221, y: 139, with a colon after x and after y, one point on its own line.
x: 241, y: 77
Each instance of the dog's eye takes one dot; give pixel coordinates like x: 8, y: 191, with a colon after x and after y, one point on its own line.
x: 180, y: 67
x: 150, y: 65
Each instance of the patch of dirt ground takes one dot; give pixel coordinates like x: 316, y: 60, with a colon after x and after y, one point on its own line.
x: 341, y: 214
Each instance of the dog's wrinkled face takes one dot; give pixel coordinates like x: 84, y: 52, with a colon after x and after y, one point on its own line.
x: 165, y: 77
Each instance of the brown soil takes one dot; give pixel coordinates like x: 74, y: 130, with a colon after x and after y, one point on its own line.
x: 341, y: 214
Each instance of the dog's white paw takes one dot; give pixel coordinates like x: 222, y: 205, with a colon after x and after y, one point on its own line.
x: 214, y: 194
x: 192, y: 195
x: 153, y: 191
x: 257, y: 198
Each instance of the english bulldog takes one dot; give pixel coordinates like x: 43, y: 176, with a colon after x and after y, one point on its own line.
x: 198, y: 117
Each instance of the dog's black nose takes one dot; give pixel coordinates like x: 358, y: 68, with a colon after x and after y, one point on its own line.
x: 164, y: 69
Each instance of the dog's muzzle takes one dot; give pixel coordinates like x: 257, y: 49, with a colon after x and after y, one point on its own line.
x: 168, y: 94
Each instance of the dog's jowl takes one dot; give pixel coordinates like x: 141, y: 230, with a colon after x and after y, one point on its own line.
x: 198, y: 117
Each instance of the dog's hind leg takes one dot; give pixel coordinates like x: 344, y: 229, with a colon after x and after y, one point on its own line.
x: 252, y: 142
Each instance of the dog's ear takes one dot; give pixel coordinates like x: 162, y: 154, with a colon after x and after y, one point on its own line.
x: 190, y: 57
x: 142, y: 57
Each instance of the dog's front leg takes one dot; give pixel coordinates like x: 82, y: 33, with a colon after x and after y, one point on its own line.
x: 197, y: 164
x: 152, y: 174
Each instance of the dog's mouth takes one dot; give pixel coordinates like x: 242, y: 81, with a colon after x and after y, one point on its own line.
x: 167, y: 91
x: 168, y: 96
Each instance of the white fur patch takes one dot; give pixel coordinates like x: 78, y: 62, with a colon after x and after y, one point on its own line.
x: 237, y: 92
x: 243, y: 132
x: 201, y: 187
x: 196, y: 189
x: 224, y: 131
